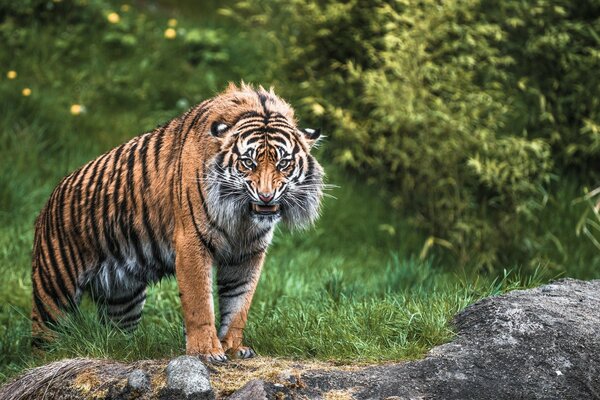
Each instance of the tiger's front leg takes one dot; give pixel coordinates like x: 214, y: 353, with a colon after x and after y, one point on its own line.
x: 193, y: 269
x: 236, y: 285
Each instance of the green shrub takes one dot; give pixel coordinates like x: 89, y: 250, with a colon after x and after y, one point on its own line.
x: 554, y: 80
x: 458, y: 107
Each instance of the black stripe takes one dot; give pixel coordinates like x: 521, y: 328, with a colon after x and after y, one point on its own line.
x: 144, y: 161
x: 224, y: 287
x: 93, y: 204
x: 125, y: 299
x: 254, y: 139
x: 199, y: 113
x: 209, y: 246
x: 76, y: 201
x: 158, y: 142
x: 137, y: 244
x: 44, y: 313
x: 72, y: 228
x: 124, y: 209
x: 209, y: 219
x: 52, y: 287
x: 251, y: 123
x: 247, y: 114
x: 281, y: 125
x: 109, y: 231
x: 52, y: 265
x: 296, y: 149
x: 73, y: 268
x: 286, y: 133
x: 47, y: 285
x: 225, y: 314
x: 300, y: 167
x: 278, y: 139
x: 129, y: 322
x: 127, y: 309
x: 75, y: 206
x: 220, y: 157
x: 130, y: 188
x: 116, y: 225
x: 156, y: 254
x: 262, y: 130
x: 88, y: 189
x: 119, y: 200
x: 277, y: 116
x: 67, y: 263
x: 231, y: 295
x: 178, y: 181
x: 263, y: 101
x: 250, y: 132
x: 311, y: 167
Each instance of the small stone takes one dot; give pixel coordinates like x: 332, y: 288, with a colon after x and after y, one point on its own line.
x: 138, y: 380
x: 189, y: 375
x: 253, y: 390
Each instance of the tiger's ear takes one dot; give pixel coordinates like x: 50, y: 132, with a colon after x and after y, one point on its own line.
x: 311, y: 135
x: 218, y: 129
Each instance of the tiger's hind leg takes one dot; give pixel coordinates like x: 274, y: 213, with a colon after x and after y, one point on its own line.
x: 56, y: 293
x: 121, y: 305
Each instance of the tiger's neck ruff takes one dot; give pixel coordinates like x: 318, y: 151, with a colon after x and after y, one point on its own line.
x: 205, y: 189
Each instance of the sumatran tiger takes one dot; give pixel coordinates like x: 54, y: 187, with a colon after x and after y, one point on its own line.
x: 206, y: 189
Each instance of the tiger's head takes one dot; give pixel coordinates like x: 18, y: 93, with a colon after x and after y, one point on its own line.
x: 262, y: 170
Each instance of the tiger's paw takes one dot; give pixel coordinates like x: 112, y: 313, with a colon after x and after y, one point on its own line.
x: 208, y: 354
x: 241, y: 353
x: 214, y: 357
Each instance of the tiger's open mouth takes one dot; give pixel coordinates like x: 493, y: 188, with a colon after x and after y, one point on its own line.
x: 262, y: 209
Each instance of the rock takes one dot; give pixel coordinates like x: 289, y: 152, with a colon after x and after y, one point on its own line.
x: 187, y: 375
x: 541, y: 343
x: 138, y: 380
x: 259, y: 389
x: 252, y: 390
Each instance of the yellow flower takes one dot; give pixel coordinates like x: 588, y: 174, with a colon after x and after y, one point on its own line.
x: 125, y: 8
x: 11, y: 74
x: 172, y: 22
x: 77, y: 109
x: 26, y: 92
x: 113, y: 18
x: 170, y: 33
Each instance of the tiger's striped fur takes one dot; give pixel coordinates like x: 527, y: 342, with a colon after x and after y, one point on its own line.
x: 205, y: 189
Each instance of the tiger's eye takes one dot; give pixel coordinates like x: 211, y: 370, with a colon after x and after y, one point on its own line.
x: 248, y: 163
x: 283, y: 164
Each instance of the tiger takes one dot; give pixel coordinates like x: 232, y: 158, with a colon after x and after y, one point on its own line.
x: 202, y: 192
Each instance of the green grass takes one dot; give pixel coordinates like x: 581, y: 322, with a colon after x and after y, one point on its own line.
x: 351, y: 288
x: 345, y: 290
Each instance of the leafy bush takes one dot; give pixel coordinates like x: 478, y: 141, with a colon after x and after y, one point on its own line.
x: 458, y: 107
x: 554, y: 80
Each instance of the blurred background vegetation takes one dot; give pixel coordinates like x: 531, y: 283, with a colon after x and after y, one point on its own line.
x: 464, y: 136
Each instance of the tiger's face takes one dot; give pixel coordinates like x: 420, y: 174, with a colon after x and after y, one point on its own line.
x: 264, y: 171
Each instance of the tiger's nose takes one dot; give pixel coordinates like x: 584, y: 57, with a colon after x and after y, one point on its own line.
x: 266, y: 197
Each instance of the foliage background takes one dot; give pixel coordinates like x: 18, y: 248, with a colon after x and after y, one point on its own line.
x: 473, y: 113
x: 463, y: 137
